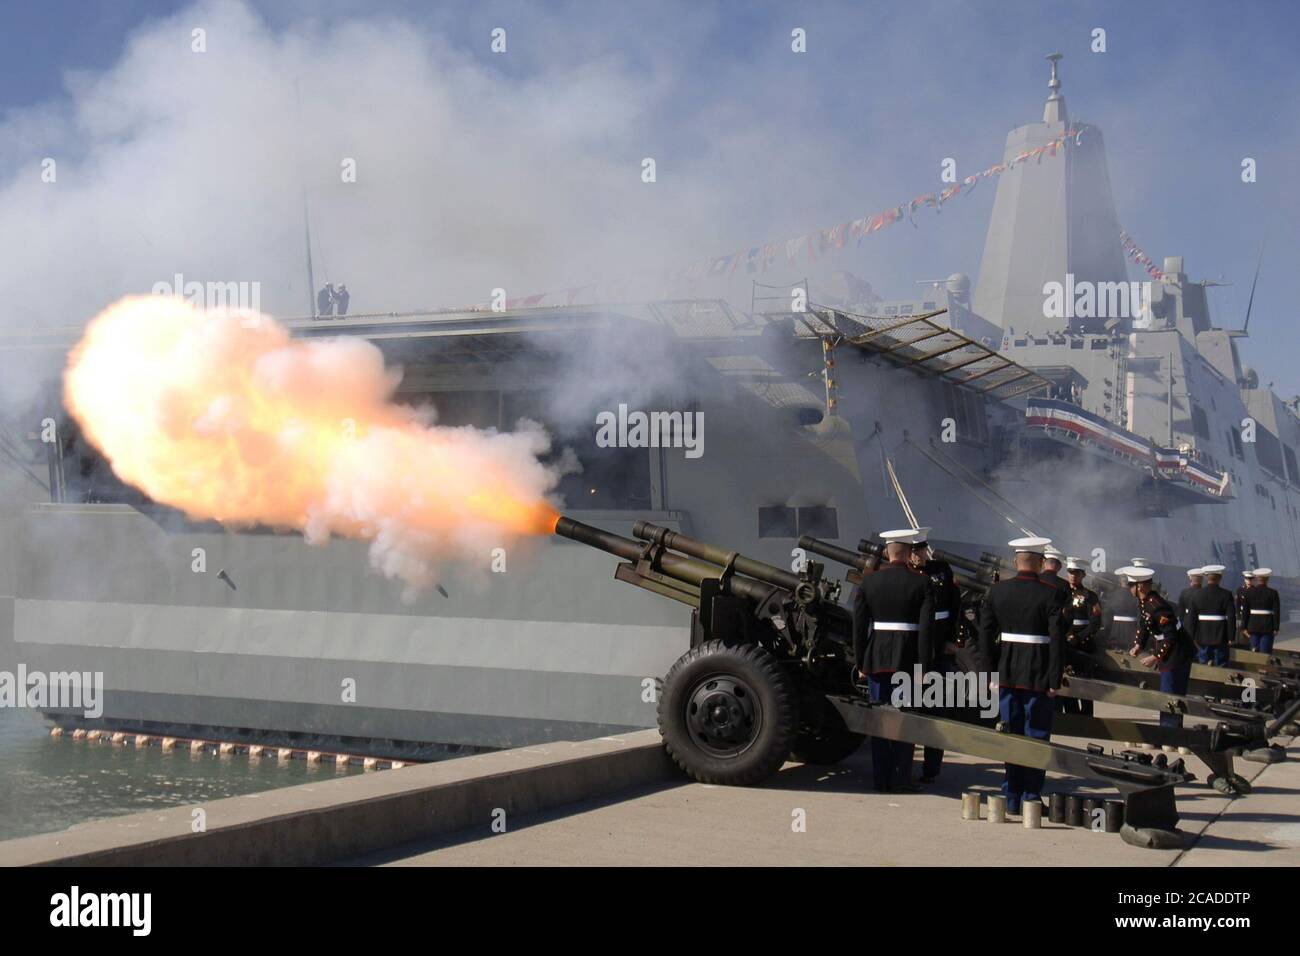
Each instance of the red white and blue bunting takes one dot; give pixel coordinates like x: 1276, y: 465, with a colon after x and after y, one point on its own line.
x: 1065, y: 421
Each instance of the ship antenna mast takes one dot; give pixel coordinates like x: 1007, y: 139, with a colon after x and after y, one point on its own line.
x: 1250, y: 303
x: 306, y: 215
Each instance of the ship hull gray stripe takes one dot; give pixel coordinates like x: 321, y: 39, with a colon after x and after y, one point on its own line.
x: 269, y: 686
x: 334, y: 635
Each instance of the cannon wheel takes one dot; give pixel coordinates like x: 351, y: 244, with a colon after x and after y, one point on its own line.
x: 728, y: 714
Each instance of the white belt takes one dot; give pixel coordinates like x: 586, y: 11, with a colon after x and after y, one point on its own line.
x: 943, y: 615
x: 1121, y: 617
x: 1079, y: 622
x: 1025, y: 638
x: 1211, y: 617
x: 895, y: 626
x: 1253, y: 611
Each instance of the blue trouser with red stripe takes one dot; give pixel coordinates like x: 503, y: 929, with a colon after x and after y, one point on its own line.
x: 1029, y: 713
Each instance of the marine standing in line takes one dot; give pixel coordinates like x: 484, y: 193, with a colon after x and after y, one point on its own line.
x: 1083, y: 624
x: 1194, y: 581
x: 893, y: 611
x: 1172, y: 649
x: 1247, y: 578
x: 1263, y: 614
x: 946, y: 598
x: 1022, y: 639
x: 1211, y: 618
x: 1051, y: 572
x: 1121, y: 616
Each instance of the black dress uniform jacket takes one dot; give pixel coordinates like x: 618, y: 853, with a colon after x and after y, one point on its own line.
x: 1184, y: 598
x: 1157, y: 626
x: 1217, y: 604
x: 1024, y: 606
x: 1262, y: 613
x: 893, y: 595
x: 946, y: 597
x: 1243, y: 612
x: 1119, y: 605
x: 1083, y: 618
x: 1056, y: 581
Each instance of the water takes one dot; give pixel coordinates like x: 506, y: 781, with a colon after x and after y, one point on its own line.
x: 49, y: 783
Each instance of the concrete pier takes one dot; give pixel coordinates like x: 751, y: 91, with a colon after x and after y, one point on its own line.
x: 619, y: 801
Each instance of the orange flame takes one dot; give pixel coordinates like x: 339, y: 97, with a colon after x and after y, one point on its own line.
x: 223, y: 416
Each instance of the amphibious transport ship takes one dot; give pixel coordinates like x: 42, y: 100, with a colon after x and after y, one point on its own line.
x: 1134, y: 433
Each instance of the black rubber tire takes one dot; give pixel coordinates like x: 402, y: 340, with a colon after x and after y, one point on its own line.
x: 770, y: 693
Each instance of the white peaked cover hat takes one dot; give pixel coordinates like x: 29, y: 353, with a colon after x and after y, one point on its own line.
x: 1139, y: 563
x: 1051, y: 551
x: 1134, y: 573
x: 1029, y: 545
x: 1247, y: 574
x: 1195, y: 572
x: 1213, y: 569
x: 907, y: 535
x: 1075, y: 564
x: 1263, y: 572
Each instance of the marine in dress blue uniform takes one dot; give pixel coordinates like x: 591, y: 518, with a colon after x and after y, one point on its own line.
x: 1195, y: 580
x: 1082, y: 627
x: 1262, y: 614
x: 1022, y: 639
x: 1172, y: 649
x: 1243, y: 613
x: 946, y: 598
x: 1121, y: 616
x: 893, y: 612
x: 1212, y: 618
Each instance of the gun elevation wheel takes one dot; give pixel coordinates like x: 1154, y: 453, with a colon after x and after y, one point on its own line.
x: 727, y: 714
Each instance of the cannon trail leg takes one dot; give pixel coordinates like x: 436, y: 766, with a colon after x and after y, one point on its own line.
x: 1151, y: 816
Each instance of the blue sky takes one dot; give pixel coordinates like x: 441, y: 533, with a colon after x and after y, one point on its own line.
x: 521, y: 169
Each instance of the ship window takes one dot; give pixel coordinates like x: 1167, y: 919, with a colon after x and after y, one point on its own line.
x: 1200, y: 424
x: 482, y: 409
x: 1020, y: 343
x: 927, y: 306
x: 777, y: 522
x: 1268, y: 450
x: 1292, y: 471
x: 613, y: 478
x: 1076, y: 343
x: 819, y: 521
x: 1234, y: 437
x: 77, y: 472
x: 1098, y: 344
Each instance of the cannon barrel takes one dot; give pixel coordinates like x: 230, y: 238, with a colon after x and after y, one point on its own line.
x: 749, y: 567
x: 854, y: 559
x: 689, y: 570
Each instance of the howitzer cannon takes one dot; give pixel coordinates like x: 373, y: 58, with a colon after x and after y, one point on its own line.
x: 769, y: 676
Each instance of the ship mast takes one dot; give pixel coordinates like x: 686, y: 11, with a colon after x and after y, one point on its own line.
x: 306, y: 215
